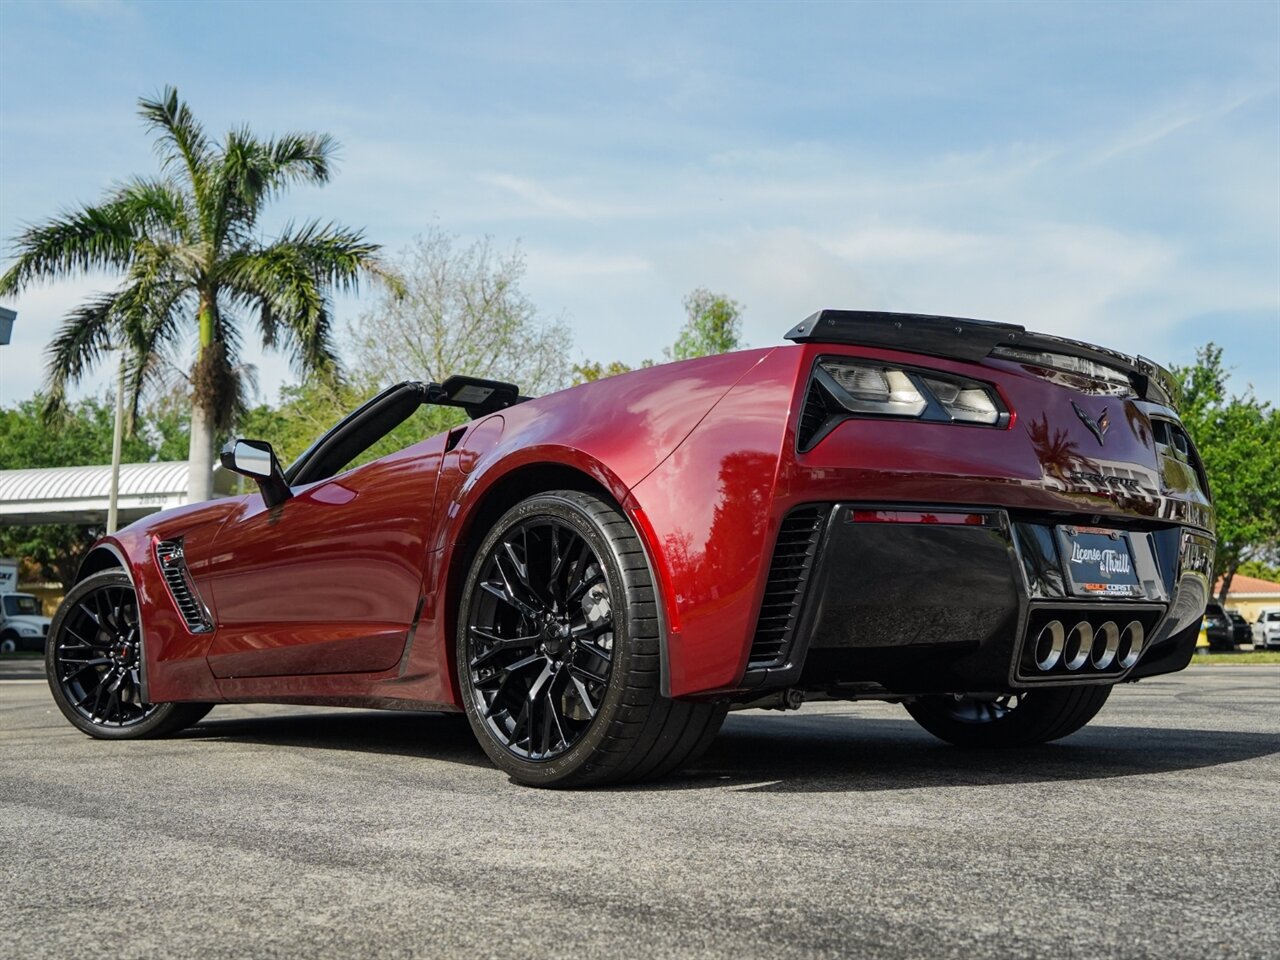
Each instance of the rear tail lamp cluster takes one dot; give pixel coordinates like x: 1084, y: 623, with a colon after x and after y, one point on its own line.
x: 1066, y: 363
x: 843, y: 388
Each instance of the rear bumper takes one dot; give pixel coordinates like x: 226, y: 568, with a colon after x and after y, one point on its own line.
x: 931, y: 599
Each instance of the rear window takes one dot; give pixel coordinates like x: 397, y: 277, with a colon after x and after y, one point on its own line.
x: 1272, y: 616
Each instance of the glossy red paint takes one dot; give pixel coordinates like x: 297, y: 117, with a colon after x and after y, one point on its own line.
x: 344, y: 560
x: 347, y: 592
x: 712, y: 504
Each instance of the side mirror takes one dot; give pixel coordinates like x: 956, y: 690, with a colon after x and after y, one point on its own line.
x: 255, y: 459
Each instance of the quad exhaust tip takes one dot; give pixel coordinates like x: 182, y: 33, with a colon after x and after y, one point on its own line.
x: 1106, y: 641
x: 1049, y: 644
x: 1079, y: 643
x: 1132, y: 641
x: 1101, y: 647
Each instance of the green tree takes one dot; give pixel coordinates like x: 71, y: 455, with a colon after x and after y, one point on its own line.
x: 1239, y: 441
x: 713, y: 325
x: 461, y: 311
x: 189, y: 246
x: 589, y: 371
x: 1260, y: 569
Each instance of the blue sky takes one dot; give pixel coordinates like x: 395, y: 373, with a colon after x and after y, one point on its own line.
x: 1103, y: 171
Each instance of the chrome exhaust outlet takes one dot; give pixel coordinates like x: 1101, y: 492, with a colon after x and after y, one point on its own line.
x: 1132, y: 641
x: 1049, y: 644
x: 1079, y: 643
x: 1106, y: 641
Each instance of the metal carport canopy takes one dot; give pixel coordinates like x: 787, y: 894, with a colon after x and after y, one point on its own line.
x: 80, y: 494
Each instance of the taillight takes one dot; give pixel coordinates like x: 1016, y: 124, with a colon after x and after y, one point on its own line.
x: 842, y: 388
x: 1067, y: 363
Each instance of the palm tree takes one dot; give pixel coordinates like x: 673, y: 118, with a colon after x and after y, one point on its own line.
x: 191, y: 255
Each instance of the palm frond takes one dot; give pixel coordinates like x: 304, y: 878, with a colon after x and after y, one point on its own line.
x: 181, y: 141
x: 252, y: 171
x: 89, y: 238
x: 85, y: 335
x: 302, y: 158
x: 338, y: 256
x: 149, y: 313
x: 283, y: 284
x: 157, y: 207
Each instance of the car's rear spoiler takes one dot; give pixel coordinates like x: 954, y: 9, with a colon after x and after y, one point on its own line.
x: 959, y: 338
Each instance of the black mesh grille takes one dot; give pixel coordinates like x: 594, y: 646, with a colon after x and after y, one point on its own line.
x: 178, y: 578
x: 813, y: 417
x: 788, y: 574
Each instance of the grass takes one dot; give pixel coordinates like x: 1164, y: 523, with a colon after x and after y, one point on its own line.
x: 1242, y: 656
x: 22, y: 655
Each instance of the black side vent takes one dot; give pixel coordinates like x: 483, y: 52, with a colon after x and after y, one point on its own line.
x: 784, y: 593
x: 173, y: 566
x: 814, y: 417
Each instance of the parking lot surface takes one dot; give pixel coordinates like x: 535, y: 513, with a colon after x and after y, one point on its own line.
x: 841, y: 830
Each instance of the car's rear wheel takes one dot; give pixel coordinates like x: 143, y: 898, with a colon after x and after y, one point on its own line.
x: 93, y: 661
x: 558, y: 650
x: 1016, y: 720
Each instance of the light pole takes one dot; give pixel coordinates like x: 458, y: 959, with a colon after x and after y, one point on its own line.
x: 117, y: 441
x: 7, y: 317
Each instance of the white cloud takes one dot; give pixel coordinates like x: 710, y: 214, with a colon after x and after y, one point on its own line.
x: 1165, y: 122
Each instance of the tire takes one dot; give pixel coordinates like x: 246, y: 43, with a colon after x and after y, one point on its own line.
x: 1039, y: 716
x: 8, y: 643
x: 93, y: 664
x: 559, y: 603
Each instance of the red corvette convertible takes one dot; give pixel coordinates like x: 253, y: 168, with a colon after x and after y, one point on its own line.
x: 990, y: 526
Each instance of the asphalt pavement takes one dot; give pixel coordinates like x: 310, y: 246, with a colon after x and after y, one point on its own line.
x: 840, y: 830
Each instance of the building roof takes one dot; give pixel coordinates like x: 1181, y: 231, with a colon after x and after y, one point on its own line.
x: 1242, y: 586
x: 80, y: 494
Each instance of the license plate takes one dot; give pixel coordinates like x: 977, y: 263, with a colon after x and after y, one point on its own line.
x: 1099, y: 562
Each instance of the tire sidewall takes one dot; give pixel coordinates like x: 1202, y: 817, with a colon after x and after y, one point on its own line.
x: 160, y: 715
x: 577, y: 760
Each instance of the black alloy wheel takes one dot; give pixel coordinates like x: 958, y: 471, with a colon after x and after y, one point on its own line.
x: 93, y: 661
x: 541, y: 636
x: 96, y: 657
x: 558, y: 650
x: 1017, y: 719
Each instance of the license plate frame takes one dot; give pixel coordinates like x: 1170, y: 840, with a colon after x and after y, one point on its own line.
x: 1098, y: 563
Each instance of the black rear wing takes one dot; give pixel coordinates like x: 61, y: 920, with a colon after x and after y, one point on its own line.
x: 959, y: 338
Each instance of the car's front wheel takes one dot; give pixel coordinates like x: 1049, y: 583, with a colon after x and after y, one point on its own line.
x: 558, y: 650
x: 1016, y: 720
x: 93, y: 661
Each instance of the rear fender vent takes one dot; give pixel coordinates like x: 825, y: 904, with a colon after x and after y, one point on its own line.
x: 173, y: 566
x: 789, y: 574
x: 816, y: 420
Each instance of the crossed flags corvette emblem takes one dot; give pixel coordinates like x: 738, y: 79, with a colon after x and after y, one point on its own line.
x: 1097, y: 427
